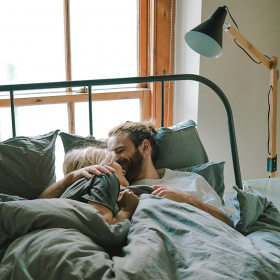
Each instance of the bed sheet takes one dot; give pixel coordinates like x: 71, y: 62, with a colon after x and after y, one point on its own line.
x: 64, y: 239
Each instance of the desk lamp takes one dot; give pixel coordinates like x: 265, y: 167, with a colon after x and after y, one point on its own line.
x: 206, y: 39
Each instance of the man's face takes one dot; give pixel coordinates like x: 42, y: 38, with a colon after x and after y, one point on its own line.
x: 128, y: 156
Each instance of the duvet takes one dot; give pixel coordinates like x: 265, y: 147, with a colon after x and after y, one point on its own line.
x: 58, y: 239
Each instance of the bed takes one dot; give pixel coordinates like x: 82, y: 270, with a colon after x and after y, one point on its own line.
x: 65, y: 239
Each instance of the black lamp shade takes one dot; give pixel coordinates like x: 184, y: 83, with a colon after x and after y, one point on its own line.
x: 206, y: 38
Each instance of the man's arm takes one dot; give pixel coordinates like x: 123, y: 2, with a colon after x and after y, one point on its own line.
x: 170, y: 193
x: 57, y: 189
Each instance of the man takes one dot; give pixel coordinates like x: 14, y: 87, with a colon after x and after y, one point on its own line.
x: 135, y: 146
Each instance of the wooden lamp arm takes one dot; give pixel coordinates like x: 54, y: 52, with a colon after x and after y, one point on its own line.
x: 246, y: 45
x: 272, y: 66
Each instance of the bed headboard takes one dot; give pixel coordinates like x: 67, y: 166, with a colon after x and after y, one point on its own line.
x: 133, y: 80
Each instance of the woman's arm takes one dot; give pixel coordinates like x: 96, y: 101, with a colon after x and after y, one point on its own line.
x: 170, y: 193
x: 58, y: 188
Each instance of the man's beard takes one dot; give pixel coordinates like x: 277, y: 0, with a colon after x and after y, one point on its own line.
x: 133, y: 167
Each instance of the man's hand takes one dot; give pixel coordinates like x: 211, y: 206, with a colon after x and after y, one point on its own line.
x: 128, y: 201
x: 170, y: 193
x: 58, y: 188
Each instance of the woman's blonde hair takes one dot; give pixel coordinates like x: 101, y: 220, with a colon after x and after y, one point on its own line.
x: 83, y: 157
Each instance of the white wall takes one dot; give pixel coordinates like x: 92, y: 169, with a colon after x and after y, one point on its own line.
x: 245, y: 84
x: 188, y: 15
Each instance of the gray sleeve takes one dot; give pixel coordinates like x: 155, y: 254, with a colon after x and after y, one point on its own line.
x: 104, y: 190
x: 77, y: 190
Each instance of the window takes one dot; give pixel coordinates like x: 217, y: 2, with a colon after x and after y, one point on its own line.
x: 103, y: 39
x: 32, y: 41
x: 58, y: 40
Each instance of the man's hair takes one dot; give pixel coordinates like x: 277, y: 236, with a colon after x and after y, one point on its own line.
x: 139, y: 131
x: 83, y: 157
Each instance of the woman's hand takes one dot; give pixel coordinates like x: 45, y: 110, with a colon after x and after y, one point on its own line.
x: 128, y: 201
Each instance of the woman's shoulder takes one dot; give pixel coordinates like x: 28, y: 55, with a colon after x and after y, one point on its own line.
x: 110, y: 179
x: 76, y: 190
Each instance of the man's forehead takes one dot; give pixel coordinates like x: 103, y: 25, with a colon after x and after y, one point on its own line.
x: 119, y: 140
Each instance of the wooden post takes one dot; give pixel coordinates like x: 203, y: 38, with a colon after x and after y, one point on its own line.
x: 70, y: 106
x: 273, y: 112
x: 161, y: 23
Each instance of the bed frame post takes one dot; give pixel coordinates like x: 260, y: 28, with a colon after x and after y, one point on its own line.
x: 13, y: 113
x: 162, y: 103
x: 90, y: 111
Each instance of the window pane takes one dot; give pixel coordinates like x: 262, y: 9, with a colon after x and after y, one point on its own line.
x: 41, y: 119
x: 37, y: 120
x: 106, y: 115
x: 103, y: 39
x: 32, y: 41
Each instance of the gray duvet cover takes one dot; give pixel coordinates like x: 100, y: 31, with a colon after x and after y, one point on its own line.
x: 64, y: 239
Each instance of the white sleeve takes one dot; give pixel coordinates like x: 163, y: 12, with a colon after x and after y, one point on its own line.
x: 207, y: 194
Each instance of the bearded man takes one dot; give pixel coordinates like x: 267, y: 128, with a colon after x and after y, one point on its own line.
x: 136, y: 148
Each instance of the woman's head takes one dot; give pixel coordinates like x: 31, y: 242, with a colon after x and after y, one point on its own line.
x: 83, y: 157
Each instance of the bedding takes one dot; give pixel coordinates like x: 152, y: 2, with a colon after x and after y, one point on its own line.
x: 27, y: 165
x: 73, y: 141
x: 253, y: 212
x: 179, y: 146
x: 66, y: 239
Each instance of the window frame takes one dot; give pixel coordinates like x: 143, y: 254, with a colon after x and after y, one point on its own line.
x: 155, y: 57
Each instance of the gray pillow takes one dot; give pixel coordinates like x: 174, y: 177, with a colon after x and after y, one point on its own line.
x: 213, y: 173
x: 179, y: 146
x: 253, y: 213
x: 27, y: 165
x: 6, y: 198
x: 72, y: 141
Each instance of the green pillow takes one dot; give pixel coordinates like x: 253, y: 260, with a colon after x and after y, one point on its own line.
x: 179, y: 146
x: 254, y: 213
x: 27, y: 165
x: 213, y: 173
x: 72, y: 141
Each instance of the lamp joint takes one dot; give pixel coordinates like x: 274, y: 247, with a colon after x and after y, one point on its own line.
x: 226, y: 26
x: 272, y: 164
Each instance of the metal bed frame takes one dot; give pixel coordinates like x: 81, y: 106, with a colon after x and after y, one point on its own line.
x: 133, y: 80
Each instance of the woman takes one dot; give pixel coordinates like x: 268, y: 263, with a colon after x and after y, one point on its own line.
x: 102, y: 192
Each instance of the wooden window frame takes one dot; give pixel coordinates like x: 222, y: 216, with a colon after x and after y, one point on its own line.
x: 156, y: 52
x: 155, y: 57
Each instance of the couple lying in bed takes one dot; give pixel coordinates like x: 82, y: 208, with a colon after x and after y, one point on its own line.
x: 135, y: 148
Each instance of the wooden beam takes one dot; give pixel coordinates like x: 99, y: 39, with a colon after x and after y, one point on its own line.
x: 146, y: 105
x: 143, y: 40
x: 273, y: 111
x: 74, y: 97
x: 71, y: 111
x: 245, y: 44
x: 161, y: 55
